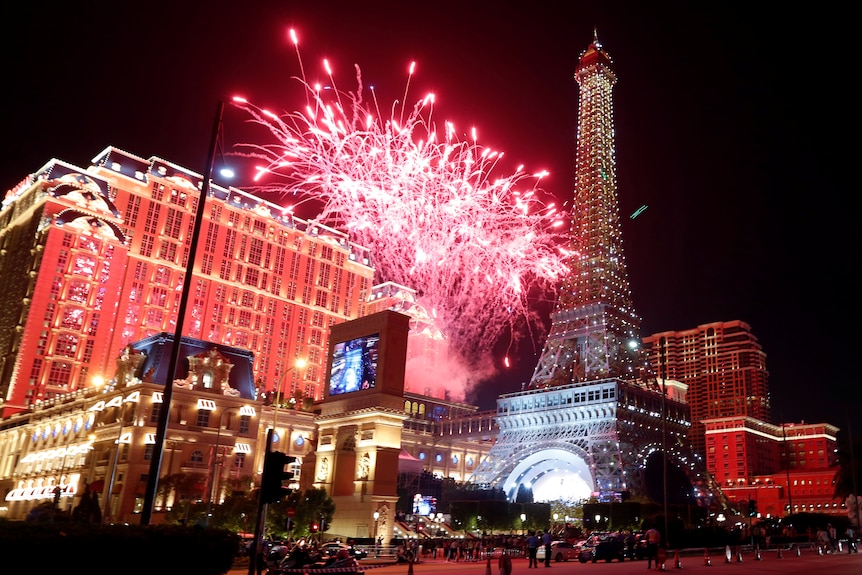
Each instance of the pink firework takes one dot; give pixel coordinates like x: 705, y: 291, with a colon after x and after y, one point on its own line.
x: 479, y: 249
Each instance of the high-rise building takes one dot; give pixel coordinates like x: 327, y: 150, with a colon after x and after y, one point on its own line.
x: 93, y: 259
x: 724, y: 367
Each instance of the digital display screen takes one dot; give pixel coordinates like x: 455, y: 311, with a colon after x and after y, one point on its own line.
x: 354, y: 364
x: 424, y: 504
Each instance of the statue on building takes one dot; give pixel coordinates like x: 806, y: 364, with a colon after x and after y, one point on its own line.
x: 364, y: 467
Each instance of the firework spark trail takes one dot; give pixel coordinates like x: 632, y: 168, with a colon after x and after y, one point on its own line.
x: 477, y: 248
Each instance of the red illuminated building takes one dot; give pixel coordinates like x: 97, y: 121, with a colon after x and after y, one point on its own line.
x: 92, y: 260
x: 774, y: 466
x: 724, y: 367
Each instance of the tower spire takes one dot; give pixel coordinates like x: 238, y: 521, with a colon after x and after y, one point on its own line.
x: 594, y: 321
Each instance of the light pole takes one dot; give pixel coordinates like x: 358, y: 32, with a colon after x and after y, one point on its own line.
x: 121, y: 402
x: 376, y: 544
x: 554, y: 526
x: 164, y: 413
x: 260, y: 524
x: 212, y: 485
x: 664, y: 453
x: 523, y: 521
x: 300, y: 363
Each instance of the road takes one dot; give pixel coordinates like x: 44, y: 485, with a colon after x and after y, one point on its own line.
x: 769, y: 563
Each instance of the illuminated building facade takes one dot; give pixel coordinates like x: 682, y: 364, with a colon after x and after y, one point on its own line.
x: 724, y: 367
x: 93, y: 259
x: 774, y: 466
x: 101, y: 440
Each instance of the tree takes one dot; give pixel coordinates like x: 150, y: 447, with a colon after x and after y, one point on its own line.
x: 525, y: 494
x: 309, y: 506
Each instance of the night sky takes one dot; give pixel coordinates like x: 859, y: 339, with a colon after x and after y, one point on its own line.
x: 731, y: 127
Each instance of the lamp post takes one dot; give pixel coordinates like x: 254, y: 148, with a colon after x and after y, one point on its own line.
x: 376, y: 544
x: 260, y: 524
x: 523, y: 521
x: 212, y: 484
x: 664, y: 452
x: 554, y: 526
x: 787, y: 470
x: 167, y: 394
x: 109, y: 492
x: 300, y: 363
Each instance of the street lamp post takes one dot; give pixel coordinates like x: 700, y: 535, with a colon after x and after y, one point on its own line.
x: 523, y: 521
x: 376, y: 544
x: 300, y: 363
x: 259, y: 528
x: 167, y: 394
x: 664, y: 453
x: 787, y: 470
x: 212, y: 485
x: 109, y: 492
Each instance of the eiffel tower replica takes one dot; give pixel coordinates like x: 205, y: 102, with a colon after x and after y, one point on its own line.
x: 592, y: 407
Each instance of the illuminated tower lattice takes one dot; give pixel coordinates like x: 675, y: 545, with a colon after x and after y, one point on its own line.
x: 594, y: 320
x: 588, y: 416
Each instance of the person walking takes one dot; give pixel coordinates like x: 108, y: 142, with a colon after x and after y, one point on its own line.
x: 653, y: 539
x: 505, y: 564
x: 546, y: 541
x: 532, y: 548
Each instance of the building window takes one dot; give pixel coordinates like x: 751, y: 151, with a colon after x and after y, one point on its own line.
x: 154, y: 414
x: 203, y: 419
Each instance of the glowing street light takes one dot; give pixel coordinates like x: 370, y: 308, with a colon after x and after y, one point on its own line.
x: 213, y: 485
x: 121, y: 402
x: 300, y: 363
x: 376, y: 543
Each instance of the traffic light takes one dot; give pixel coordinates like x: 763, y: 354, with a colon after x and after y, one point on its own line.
x: 271, y: 488
x: 752, y: 508
x: 314, y: 527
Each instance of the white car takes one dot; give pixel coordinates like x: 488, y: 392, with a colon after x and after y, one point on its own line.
x: 560, y: 551
x: 332, y: 548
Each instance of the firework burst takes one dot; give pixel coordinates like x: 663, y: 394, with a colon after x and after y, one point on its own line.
x: 479, y: 249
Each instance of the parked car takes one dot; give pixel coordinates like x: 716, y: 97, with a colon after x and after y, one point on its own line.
x: 560, y: 551
x: 607, y: 548
x: 332, y: 548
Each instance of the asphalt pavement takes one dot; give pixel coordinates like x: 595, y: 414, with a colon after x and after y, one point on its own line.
x: 699, y: 562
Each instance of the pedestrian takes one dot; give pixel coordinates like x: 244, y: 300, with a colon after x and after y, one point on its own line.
x: 653, y: 539
x: 851, y: 540
x: 546, y: 541
x: 505, y: 564
x: 532, y: 548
